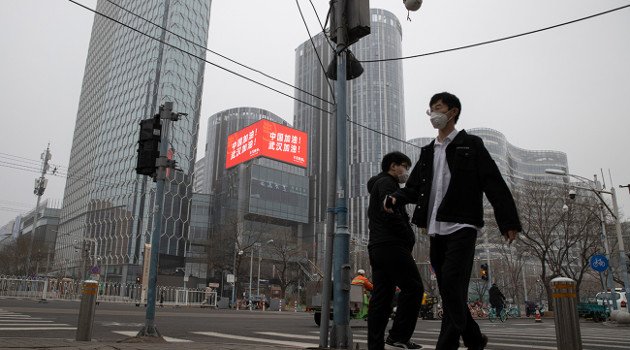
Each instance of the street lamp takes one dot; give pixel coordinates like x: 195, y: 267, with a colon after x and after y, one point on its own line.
x: 239, y: 252
x: 251, y: 267
x: 93, y: 240
x: 614, y: 213
x: 259, y: 263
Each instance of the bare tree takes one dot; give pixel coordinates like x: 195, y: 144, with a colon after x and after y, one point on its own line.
x: 286, y: 252
x: 14, y: 256
x: 560, y: 238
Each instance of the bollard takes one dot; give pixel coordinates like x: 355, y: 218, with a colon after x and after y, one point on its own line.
x: 86, y: 311
x: 295, y: 306
x: 280, y: 305
x: 566, y: 317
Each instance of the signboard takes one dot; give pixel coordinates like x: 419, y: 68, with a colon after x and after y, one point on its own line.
x: 599, y: 263
x: 230, y: 278
x: 266, y: 138
x: 213, y: 285
x: 95, y: 270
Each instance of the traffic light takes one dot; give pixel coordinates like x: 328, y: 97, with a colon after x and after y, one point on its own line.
x: 149, y: 145
x: 484, y: 272
x: 357, y: 13
x: 138, y: 279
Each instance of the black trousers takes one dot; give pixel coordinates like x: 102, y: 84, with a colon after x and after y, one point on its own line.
x: 393, y: 266
x: 452, y: 258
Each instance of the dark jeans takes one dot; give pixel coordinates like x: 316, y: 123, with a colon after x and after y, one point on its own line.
x: 452, y: 258
x: 393, y: 266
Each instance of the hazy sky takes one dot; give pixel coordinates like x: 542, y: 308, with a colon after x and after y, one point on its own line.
x: 563, y: 89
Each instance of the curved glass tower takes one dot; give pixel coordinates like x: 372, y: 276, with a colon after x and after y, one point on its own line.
x: 107, y: 207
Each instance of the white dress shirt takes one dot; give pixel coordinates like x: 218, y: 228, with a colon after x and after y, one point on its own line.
x: 441, y: 180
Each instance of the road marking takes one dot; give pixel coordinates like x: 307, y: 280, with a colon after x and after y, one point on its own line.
x: 33, y: 324
x: 259, y: 340
x: 37, y: 328
x: 296, y: 336
x: 168, y: 339
x: 25, y: 321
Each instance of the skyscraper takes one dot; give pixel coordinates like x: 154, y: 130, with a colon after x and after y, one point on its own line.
x: 107, y: 208
x: 376, y: 118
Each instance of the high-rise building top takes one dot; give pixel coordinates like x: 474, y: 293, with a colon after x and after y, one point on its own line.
x: 220, y: 126
x: 127, y: 77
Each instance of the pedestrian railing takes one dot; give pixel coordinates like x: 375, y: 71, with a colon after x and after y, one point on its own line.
x: 70, y: 289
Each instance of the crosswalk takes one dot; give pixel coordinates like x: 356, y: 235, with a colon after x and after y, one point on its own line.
x: 519, y: 335
x: 540, y: 338
x: 12, y: 321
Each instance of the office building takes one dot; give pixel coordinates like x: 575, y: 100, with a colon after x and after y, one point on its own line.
x: 107, y: 207
x: 257, y: 191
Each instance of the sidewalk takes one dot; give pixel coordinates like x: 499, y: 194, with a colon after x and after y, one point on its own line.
x: 58, y: 343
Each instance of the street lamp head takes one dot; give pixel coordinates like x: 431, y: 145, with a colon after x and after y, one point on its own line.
x: 565, y: 208
x: 572, y: 194
x: 240, y: 252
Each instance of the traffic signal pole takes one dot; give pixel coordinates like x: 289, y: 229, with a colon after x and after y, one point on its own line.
x: 162, y: 163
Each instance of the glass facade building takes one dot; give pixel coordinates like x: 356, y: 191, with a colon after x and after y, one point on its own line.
x: 375, y: 102
x: 516, y: 164
x: 252, y: 202
x: 107, y: 206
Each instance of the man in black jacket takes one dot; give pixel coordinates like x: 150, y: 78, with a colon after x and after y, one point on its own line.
x: 390, y: 244
x: 497, y: 299
x: 447, y: 184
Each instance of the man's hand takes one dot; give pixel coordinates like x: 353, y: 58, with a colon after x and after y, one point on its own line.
x: 393, y: 202
x: 510, y: 236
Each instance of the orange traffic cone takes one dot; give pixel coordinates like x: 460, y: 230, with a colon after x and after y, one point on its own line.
x: 538, y: 319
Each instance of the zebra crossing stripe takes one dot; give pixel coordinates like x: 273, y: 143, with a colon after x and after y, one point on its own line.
x: 258, y: 340
x: 37, y: 328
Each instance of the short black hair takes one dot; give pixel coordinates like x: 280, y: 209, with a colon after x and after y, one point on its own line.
x: 396, y: 158
x: 450, y: 100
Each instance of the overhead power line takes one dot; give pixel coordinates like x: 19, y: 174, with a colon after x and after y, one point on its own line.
x: 500, y: 39
x: 205, y: 48
x: 319, y: 59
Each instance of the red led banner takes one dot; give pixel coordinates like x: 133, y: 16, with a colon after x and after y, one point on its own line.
x: 266, y: 138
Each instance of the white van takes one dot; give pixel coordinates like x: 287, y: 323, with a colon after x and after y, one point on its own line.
x: 620, y: 297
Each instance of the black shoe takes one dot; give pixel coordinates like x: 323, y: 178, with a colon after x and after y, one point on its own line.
x: 392, y: 344
x: 482, y: 344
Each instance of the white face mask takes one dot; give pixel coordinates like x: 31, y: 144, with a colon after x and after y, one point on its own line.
x: 438, y: 120
x: 402, y: 178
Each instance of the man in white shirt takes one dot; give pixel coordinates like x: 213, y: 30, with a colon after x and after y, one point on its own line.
x: 447, y: 184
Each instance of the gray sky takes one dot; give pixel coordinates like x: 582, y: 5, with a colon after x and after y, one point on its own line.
x: 563, y: 89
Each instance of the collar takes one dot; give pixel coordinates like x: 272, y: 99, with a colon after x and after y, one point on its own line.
x: 448, y: 138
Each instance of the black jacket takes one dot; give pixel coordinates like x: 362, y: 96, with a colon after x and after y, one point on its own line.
x: 496, y: 297
x: 473, y: 173
x: 386, y: 228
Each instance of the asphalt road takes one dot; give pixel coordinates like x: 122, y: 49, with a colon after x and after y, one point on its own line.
x: 58, y: 319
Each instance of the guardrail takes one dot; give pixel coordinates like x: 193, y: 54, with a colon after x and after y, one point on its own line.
x: 69, y: 289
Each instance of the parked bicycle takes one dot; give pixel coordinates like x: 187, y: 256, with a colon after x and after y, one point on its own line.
x: 513, y: 312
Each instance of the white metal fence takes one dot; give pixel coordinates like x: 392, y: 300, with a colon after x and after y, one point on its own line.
x: 69, y: 289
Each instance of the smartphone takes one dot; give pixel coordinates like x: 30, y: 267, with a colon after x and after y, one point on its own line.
x: 388, y: 202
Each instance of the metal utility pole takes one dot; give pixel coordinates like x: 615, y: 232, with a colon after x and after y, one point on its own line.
x: 341, y: 334
x: 162, y: 164
x: 40, y: 187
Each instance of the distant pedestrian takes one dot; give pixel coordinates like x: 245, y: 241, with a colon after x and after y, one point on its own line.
x: 162, y: 298
x: 390, y: 244
x: 497, y: 299
x: 447, y: 185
